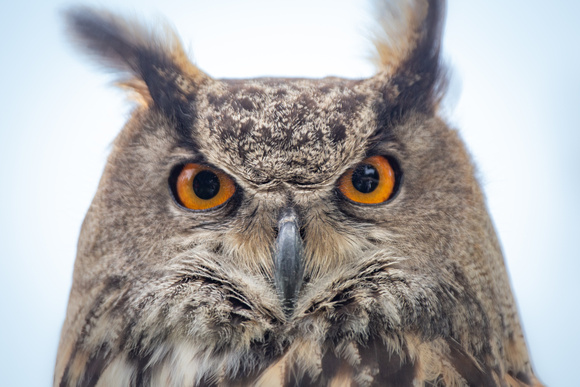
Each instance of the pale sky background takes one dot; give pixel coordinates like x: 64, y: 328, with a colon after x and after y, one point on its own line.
x: 515, y: 99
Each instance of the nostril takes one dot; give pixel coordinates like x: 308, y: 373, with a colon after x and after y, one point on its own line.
x: 302, y: 233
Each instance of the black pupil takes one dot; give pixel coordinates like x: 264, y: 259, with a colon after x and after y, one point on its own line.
x: 206, y: 185
x: 365, y: 178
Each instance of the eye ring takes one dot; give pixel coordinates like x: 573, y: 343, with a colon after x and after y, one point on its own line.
x: 375, y: 180
x: 200, y: 187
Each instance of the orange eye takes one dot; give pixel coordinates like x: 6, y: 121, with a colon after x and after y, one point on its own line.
x: 200, y: 187
x: 370, y: 182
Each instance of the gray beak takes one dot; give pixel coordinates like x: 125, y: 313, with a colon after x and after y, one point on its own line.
x: 288, y: 263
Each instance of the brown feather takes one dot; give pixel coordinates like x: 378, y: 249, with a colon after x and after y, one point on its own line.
x: 410, y: 291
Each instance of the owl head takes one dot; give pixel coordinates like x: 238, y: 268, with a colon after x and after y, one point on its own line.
x: 288, y: 231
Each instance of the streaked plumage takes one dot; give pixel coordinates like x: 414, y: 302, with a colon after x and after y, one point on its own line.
x: 411, y: 291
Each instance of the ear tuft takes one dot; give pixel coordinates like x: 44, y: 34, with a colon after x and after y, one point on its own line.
x: 151, y: 63
x: 408, y: 48
x: 407, y: 28
x: 399, y: 22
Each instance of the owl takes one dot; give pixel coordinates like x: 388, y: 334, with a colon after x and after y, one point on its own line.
x: 287, y: 232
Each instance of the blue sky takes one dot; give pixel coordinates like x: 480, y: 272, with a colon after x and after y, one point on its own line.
x: 514, y: 98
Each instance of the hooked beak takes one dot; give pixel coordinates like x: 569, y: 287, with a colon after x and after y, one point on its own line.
x: 288, y: 264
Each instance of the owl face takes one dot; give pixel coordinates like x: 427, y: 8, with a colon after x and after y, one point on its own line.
x: 285, y: 229
x: 279, y: 154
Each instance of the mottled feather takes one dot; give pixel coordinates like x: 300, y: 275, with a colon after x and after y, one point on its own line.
x: 412, y: 291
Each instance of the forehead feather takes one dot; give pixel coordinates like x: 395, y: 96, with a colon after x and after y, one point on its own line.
x: 296, y: 130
